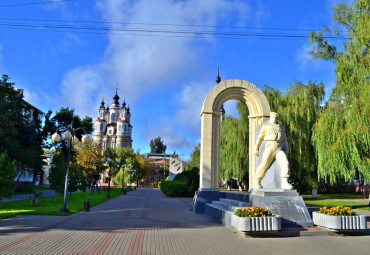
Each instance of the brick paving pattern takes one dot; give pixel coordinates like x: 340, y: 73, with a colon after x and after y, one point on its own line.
x: 146, y: 222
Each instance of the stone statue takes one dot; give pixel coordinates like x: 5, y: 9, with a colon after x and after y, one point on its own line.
x: 276, y: 147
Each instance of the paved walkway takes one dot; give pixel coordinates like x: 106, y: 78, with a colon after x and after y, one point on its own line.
x: 147, y: 222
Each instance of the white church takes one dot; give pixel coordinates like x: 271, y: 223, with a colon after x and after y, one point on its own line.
x: 113, y: 129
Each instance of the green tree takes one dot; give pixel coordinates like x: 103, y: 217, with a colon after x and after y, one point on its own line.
x: 194, y: 159
x: 234, y: 151
x: 64, y: 117
x: 88, y: 157
x: 299, y: 109
x: 157, y: 145
x: 342, y: 135
x: 7, y: 175
x: 57, y: 173
x: 20, y: 136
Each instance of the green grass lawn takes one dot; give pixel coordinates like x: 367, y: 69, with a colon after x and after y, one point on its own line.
x: 330, y: 202
x: 344, y: 195
x: 48, y: 207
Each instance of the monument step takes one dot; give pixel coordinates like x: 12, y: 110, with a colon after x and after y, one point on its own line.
x: 225, y: 206
x: 219, y: 213
x: 222, y: 205
x: 234, y: 202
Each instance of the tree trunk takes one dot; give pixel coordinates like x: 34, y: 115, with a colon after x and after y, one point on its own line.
x: 19, y: 176
x: 314, y: 193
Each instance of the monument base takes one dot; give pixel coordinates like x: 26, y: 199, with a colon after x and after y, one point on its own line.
x: 286, y: 203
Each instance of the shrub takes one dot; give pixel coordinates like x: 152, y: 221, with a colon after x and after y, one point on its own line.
x: 7, y: 175
x: 159, y: 184
x: 35, y: 199
x: 173, y: 188
x: 337, y: 211
x: 254, y: 211
x: 190, y: 179
x: 24, y: 189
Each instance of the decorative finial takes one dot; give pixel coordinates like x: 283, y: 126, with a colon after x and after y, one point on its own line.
x: 124, y: 103
x: 102, y: 102
x: 116, y: 97
x: 108, y: 106
x: 218, y: 78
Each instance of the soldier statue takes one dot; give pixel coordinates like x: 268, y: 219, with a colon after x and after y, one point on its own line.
x: 276, y: 147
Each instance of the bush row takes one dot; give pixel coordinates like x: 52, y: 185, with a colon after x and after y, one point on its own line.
x: 172, y: 188
x: 184, y: 184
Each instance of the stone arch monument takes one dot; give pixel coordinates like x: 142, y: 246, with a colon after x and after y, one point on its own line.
x: 259, y: 112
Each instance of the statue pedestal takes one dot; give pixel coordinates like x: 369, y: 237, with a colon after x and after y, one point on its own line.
x: 286, y: 203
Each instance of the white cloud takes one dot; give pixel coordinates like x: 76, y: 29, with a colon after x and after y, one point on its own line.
x: 81, y: 89
x: 31, y: 97
x: 190, y: 101
x: 261, y: 13
x: 230, y: 108
x: 143, y: 63
x: 305, y: 60
x: 173, y: 138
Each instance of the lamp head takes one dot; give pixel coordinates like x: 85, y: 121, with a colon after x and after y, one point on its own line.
x: 75, y: 140
x: 67, y: 136
x: 86, y: 139
x: 55, y: 137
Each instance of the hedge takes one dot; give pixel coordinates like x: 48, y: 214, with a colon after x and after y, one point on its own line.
x: 173, y: 188
x: 190, y: 179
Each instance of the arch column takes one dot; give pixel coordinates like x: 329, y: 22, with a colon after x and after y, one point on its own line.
x: 210, y: 151
x: 259, y: 110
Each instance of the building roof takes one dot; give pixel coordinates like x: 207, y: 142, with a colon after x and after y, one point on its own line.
x: 158, y: 161
x: 100, y: 120
x: 27, y: 104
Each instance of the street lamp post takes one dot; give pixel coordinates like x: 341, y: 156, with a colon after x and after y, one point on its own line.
x: 137, y: 177
x: 69, y: 135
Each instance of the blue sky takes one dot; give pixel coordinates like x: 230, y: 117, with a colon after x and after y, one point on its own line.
x: 69, y: 53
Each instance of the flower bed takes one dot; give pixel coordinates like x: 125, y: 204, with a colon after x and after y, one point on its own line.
x: 338, y: 211
x: 339, y: 218
x: 253, y: 219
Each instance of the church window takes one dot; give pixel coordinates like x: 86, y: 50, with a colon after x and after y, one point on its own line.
x: 119, y: 127
x: 101, y: 127
x: 101, y: 115
x: 125, y: 128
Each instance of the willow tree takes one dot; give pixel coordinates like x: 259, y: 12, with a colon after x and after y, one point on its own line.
x: 342, y: 134
x: 194, y: 162
x: 299, y: 108
x: 234, y: 152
